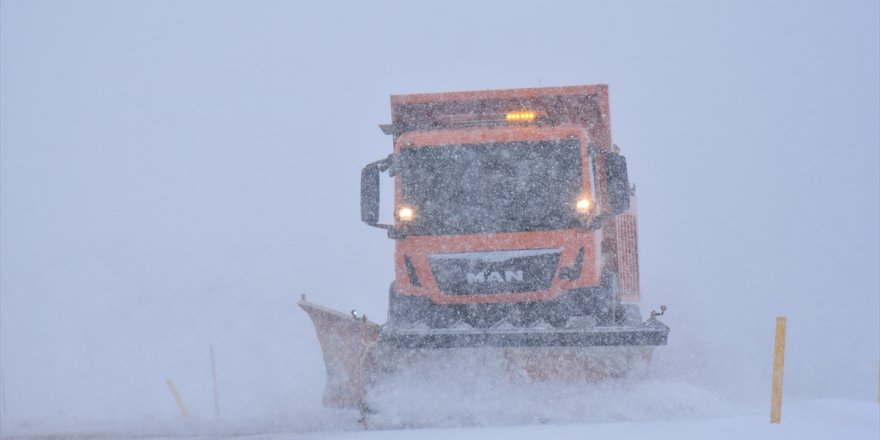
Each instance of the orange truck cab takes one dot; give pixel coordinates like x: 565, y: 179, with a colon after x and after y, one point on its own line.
x: 512, y: 209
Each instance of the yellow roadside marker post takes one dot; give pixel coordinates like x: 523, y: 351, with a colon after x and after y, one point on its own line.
x: 778, y: 363
x: 177, y: 398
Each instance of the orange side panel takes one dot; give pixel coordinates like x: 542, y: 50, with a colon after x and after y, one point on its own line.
x: 628, y: 253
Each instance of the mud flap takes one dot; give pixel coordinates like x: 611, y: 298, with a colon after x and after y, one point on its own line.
x: 345, y: 340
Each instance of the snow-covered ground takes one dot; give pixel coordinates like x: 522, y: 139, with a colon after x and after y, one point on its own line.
x: 822, y: 419
x: 811, y: 419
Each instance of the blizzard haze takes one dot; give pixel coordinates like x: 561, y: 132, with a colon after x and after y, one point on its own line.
x: 173, y: 175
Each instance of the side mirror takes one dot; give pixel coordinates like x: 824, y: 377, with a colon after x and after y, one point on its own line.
x: 618, y: 182
x: 370, y: 192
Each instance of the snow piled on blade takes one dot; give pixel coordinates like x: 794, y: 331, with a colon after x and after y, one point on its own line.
x: 476, y: 390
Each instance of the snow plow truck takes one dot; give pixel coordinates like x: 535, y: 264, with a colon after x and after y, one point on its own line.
x: 515, y: 238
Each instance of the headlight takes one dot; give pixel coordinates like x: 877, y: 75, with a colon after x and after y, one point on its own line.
x: 583, y: 205
x: 405, y: 214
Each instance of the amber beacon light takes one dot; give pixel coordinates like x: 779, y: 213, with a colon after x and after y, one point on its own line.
x: 521, y: 116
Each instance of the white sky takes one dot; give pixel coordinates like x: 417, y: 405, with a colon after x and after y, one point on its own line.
x: 174, y: 174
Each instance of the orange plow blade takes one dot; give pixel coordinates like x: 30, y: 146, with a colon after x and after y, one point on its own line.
x: 345, y: 339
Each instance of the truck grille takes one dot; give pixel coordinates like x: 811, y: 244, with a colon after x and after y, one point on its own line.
x: 494, y: 272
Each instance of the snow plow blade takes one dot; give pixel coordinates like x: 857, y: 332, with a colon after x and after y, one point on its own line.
x: 344, y: 340
x: 358, y: 353
x: 651, y: 334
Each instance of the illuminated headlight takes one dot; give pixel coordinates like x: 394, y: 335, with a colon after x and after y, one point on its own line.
x: 583, y: 205
x: 405, y: 214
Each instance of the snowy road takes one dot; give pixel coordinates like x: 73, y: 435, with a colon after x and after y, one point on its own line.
x: 808, y: 420
x: 818, y: 419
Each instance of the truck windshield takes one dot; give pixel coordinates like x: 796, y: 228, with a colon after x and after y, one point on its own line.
x: 492, y: 187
